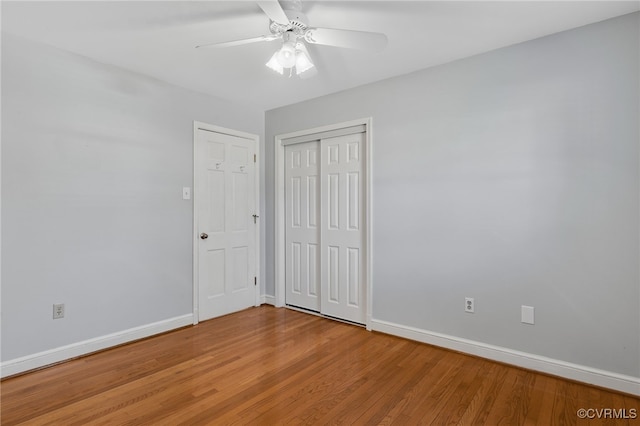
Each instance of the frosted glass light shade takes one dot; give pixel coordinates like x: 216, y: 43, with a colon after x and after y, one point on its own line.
x: 274, y: 64
x: 303, y: 62
x: 287, y: 55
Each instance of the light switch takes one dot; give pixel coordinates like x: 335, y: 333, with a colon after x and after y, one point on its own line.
x: 186, y: 193
x: 527, y: 314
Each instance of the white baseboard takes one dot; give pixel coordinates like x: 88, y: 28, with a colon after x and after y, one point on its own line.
x: 265, y: 299
x: 52, y: 356
x: 581, y: 373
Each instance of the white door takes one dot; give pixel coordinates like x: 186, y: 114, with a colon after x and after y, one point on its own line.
x: 302, y: 234
x: 324, y: 226
x: 225, y: 191
x: 342, y: 231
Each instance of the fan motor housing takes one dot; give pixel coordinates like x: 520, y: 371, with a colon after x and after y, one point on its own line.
x: 297, y: 19
x: 298, y: 23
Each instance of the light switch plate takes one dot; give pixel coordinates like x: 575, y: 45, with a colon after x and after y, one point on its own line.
x: 186, y: 193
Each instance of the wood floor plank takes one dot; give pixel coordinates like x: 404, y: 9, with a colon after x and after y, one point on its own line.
x: 379, y: 404
x: 541, y: 401
x: 268, y: 366
x: 511, y: 406
x: 374, y: 384
x: 467, y: 388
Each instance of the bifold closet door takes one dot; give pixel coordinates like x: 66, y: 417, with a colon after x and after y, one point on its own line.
x: 342, y: 230
x: 302, y: 232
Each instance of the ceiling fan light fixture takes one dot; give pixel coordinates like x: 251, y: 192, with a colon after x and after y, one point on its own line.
x: 274, y: 64
x: 288, y: 23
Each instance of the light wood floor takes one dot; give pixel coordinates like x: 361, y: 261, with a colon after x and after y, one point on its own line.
x: 277, y: 366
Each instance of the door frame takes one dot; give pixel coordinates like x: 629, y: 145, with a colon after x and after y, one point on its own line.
x: 198, y: 125
x: 280, y: 210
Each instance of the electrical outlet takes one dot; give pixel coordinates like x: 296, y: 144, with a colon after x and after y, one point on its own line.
x: 469, y: 305
x: 58, y: 311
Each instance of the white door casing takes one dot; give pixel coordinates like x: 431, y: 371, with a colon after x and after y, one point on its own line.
x: 302, y: 225
x: 225, y: 231
x: 345, y: 222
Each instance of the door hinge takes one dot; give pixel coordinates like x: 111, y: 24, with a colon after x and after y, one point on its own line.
x: 255, y: 280
x: 254, y: 158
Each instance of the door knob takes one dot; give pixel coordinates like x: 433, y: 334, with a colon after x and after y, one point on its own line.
x: 204, y: 236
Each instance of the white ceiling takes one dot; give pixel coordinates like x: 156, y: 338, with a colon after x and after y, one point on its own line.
x: 157, y: 38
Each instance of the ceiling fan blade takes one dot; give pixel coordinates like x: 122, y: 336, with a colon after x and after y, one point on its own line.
x: 362, y: 40
x: 274, y: 11
x: 240, y: 42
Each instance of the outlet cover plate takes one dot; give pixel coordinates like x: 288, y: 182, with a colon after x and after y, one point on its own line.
x: 469, y: 305
x: 58, y: 310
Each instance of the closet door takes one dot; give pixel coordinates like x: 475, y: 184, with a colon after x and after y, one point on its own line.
x: 342, y: 227
x: 302, y: 228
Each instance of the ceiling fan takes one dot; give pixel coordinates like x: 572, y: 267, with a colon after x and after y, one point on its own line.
x: 292, y: 26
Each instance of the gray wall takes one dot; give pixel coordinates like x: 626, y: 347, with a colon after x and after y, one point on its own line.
x: 511, y: 177
x: 94, y: 159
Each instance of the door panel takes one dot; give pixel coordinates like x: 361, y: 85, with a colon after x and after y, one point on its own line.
x: 353, y: 276
x: 225, y: 190
x: 301, y: 226
x: 342, y: 269
x: 215, y: 272
x: 216, y: 192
